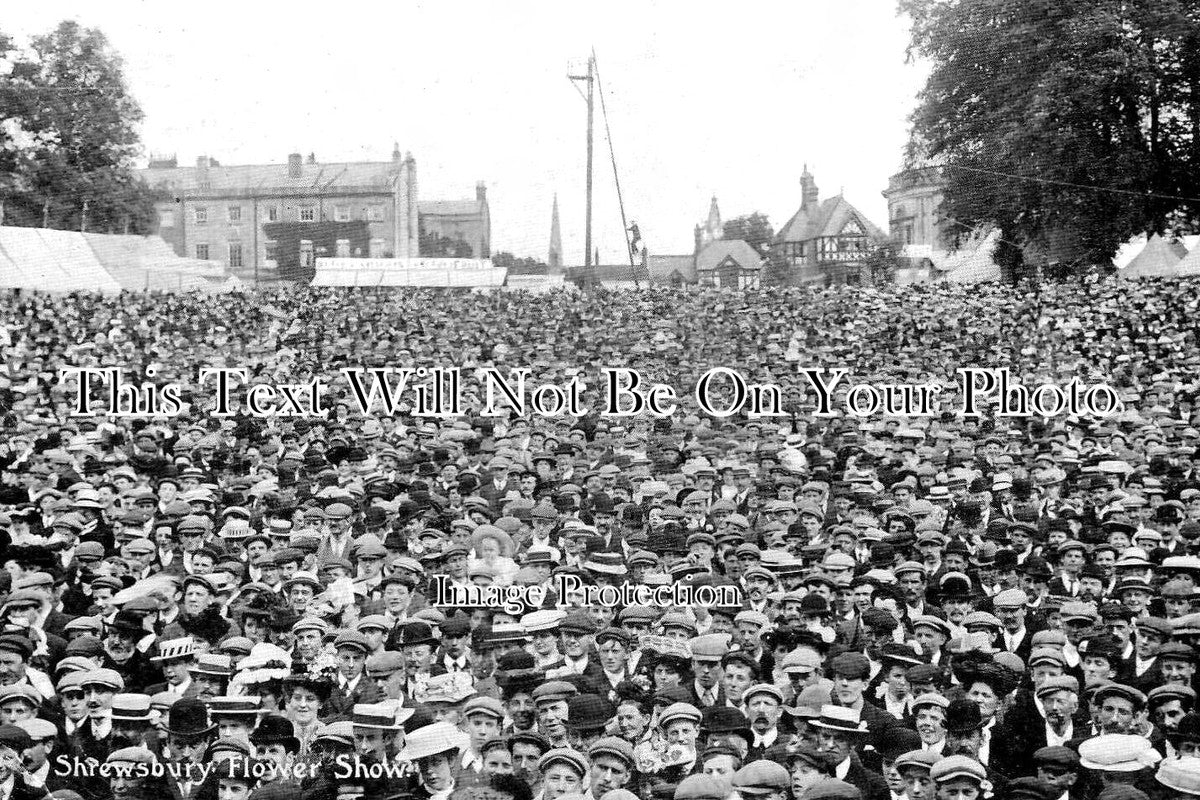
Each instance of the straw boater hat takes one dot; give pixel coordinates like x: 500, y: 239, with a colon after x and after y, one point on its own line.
x: 240, y: 706
x: 840, y: 719
x: 175, y: 649
x: 379, y: 716
x: 450, y: 687
x: 430, y: 740
x: 605, y: 564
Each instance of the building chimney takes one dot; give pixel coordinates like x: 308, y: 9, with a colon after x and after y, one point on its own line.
x: 294, y: 165
x: 202, y: 162
x: 481, y: 191
x: 808, y: 189
x: 396, y: 156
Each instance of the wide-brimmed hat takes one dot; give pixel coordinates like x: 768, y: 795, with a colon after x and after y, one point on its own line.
x: 239, y: 706
x: 377, y: 716
x: 840, y: 719
x: 175, y: 649
x: 439, y: 737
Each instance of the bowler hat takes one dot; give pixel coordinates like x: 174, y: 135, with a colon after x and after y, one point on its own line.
x: 189, y: 717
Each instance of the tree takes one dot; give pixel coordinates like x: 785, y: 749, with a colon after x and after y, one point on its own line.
x: 431, y: 244
x: 1070, y: 124
x: 69, y: 135
x: 755, y: 229
x: 882, y: 262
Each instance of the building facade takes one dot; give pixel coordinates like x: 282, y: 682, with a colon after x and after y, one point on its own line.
x: 914, y: 199
x: 728, y: 264
x: 827, y: 242
x: 275, y: 220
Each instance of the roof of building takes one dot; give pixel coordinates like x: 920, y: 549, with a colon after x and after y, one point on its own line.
x: 450, y: 208
x: 662, y: 268
x: 715, y: 253
x: 241, y: 178
x: 609, y: 273
x: 827, y: 218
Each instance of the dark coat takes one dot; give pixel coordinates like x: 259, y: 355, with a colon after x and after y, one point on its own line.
x: 340, y: 703
x: 871, y: 785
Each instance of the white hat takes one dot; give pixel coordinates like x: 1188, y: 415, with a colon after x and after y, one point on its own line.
x: 440, y: 737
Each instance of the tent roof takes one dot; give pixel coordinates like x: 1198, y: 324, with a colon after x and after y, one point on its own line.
x: 1159, y: 257
x: 47, y: 260
x: 973, y: 262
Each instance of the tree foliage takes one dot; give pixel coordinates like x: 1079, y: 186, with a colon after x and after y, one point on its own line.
x: 68, y: 135
x: 431, y: 244
x: 883, y: 261
x: 1063, y: 122
x: 755, y: 229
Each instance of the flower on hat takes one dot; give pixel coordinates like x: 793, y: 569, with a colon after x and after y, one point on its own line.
x: 324, y: 665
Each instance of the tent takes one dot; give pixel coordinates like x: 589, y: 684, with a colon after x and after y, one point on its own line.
x: 973, y: 262
x: 1189, y: 265
x: 47, y: 260
x: 1159, y: 258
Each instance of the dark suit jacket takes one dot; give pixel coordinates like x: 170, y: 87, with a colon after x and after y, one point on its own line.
x: 593, y: 673
x: 1026, y: 645
x: 871, y: 785
x: 56, y: 621
x: 1023, y: 734
x: 340, y: 703
x: 695, y: 698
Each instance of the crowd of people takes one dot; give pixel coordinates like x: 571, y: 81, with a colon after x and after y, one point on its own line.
x: 934, y: 607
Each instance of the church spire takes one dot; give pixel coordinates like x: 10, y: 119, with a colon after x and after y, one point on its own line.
x: 555, y: 259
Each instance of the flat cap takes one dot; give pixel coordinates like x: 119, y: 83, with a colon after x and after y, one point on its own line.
x: 761, y: 777
x: 953, y: 767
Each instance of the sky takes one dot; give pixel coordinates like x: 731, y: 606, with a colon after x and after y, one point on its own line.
x: 729, y: 99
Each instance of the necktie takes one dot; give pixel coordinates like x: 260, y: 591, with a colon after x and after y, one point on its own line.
x: 709, y: 697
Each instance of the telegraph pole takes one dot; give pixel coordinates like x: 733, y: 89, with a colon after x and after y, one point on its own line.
x: 590, y: 78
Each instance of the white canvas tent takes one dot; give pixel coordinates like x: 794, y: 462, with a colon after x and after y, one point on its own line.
x: 47, y: 260
x: 974, y: 262
x: 1159, y: 258
x: 1189, y: 265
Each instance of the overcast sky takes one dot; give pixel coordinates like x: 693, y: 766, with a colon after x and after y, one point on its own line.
x: 730, y: 99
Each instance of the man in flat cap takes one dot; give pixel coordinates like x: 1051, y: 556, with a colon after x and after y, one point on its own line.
x: 1058, y: 766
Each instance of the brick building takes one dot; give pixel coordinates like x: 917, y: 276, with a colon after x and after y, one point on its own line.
x: 277, y: 219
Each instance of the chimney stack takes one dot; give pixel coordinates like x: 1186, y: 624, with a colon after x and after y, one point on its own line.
x: 809, y: 195
x: 481, y: 191
x: 295, y: 163
x: 396, y: 156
